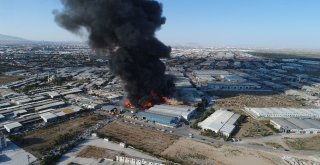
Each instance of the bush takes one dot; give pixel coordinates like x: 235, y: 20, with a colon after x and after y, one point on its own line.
x: 61, y: 139
x: 203, y: 117
x: 50, y: 159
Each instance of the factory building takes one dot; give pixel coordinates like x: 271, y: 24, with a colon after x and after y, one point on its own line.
x: 284, y: 112
x: 220, y: 121
x: 173, y: 110
x: 162, y: 119
x: 48, y: 117
x: 220, y: 80
x: 13, y: 127
x: 51, y: 105
x: 294, y: 125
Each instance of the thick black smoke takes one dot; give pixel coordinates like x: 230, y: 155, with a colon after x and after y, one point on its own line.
x: 126, y: 28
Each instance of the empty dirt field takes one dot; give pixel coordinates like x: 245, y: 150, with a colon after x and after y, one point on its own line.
x: 309, y: 143
x: 97, y: 153
x: 142, y: 138
x: 254, y: 128
x: 190, y: 152
x: 41, y: 140
x: 9, y: 79
x: 258, y: 101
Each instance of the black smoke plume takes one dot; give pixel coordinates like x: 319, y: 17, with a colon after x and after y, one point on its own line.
x: 126, y: 29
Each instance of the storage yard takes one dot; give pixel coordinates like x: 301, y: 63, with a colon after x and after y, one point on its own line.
x: 139, y: 137
x: 38, y: 141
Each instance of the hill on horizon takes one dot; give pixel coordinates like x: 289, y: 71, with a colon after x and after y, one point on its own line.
x: 4, y: 37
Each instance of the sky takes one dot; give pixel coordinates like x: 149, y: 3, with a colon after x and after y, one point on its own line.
x: 209, y: 23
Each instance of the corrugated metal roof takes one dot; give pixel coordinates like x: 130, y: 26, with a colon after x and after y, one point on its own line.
x: 12, y: 126
x: 220, y: 120
x: 285, y: 112
x: 49, y: 105
x: 47, y: 116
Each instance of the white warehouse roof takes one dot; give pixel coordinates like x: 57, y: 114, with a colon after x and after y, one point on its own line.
x: 220, y: 120
x: 11, y: 126
x: 173, y: 110
x: 48, y: 116
x: 284, y: 112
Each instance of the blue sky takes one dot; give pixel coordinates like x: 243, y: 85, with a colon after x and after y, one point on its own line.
x: 235, y: 23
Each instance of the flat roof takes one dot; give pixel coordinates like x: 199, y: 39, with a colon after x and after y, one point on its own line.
x: 47, y: 116
x: 285, y: 112
x: 13, y: 125
x: 173, y: 110
x: 49, y: 105
x: 61, y: 113
x: 221, y: 120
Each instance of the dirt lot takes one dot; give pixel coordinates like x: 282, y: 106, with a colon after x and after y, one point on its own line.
x: 254, y: 128
x: 258, y: 101
x: 8, y: 79
x: 96, y: 152
x: 41, y: 140
x: 143, y: 138
x: 189, y: 152
x: 310, y: 143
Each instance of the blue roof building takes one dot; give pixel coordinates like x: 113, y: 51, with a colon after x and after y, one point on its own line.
x: 172, y: 121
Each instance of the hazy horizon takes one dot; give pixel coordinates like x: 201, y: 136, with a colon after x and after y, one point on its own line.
x: 247, y: 24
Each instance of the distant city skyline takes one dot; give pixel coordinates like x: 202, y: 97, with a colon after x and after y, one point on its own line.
x: 228, y: 23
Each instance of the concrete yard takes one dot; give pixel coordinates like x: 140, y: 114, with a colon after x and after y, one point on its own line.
x: 13, y: 154
x: 97, y: 142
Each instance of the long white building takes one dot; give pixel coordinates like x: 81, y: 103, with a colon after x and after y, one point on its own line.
x: 284, y: 112
x: 173, y: 110
x: 220, y: 121
x: 300, y: 126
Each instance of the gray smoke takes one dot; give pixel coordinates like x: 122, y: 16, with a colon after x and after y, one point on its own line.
x: 126, y: 29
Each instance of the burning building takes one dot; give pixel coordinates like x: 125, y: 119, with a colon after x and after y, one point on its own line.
x: 124, y: 30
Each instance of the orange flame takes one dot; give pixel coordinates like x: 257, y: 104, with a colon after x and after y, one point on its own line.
x: 147, y: 105
x: 128, y: 104
x: 165, y: 99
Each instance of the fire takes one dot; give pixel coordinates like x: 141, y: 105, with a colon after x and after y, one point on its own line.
x: 165, y: 99
x: 147, y: 105
x: 128, y: 104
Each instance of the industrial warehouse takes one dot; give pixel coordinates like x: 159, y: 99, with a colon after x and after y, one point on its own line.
x: 220, y: 121
x: 168, y: 115
x: 293, y: 125
x: 284, y: 112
